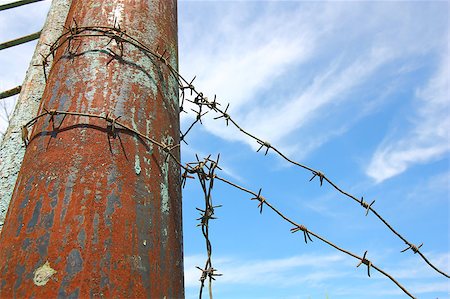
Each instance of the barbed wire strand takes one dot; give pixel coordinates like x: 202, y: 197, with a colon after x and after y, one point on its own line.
x: 116, y: 34
x: 120, y: 37
x: 322, y: 177
x: 205, y: 216
x: 307, y: 233
x: 297, y: 227
x: 208, y: 271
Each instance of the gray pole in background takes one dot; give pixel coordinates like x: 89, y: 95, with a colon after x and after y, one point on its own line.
x: 12, y: 148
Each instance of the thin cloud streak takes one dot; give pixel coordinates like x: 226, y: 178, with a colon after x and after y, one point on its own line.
x: 428, y: 140
x: 281, y: 272
x: 249, y: 61
x: 327, y: 90
x: 245, y: 67
x: 318, y: 270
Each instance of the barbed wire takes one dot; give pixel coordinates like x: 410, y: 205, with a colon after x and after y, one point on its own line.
x: 210, y: 175
x: 201, y: 101
x: 206, y: 178
x: 308, y: 233
x: 119, y: 36
x: 112, y: 124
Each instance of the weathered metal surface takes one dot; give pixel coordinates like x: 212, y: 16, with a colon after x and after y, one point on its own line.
x: 92, y: 215
x: 12, y: 148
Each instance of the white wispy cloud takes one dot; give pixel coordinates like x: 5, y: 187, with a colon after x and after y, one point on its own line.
x: 427, y: 140
x: 297, y: 69
x: 241, y: 55
x: 415, y: 268
x: 322, y: 270
x: 244, y: 57
x: 435, y: 187
x: 327, y: 89
x: 281, y: 272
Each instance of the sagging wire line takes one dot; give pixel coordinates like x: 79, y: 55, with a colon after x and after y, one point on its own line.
x: 17, y: 4
x: 204, y: 176
x: 205, y: 171
x: 112, y: 124
x: 120, y: 37
x: 10, y: 92
x: 214, y: 106
x: 20, y: 40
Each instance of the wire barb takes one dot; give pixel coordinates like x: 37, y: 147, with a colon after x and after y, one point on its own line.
x: 111, y: 127
x: 366, y: 205
x: 264, y: 144
x: 319, y: 174
x: 413, y: 247
x: 25, y: 135
x: 203, y: 169
x: 304, y: 230
x: 261, y: 200
x: 225, y: 115
x: 365, y: 262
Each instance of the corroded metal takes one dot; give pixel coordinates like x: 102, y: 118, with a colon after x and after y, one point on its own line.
x: 96, y: 214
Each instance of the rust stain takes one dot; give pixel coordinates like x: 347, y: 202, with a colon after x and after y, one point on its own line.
x: 106, y: 211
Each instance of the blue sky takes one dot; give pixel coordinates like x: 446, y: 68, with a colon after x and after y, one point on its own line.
x: 358, y: 90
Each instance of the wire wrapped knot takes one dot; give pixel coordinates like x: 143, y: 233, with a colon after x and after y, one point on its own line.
x: 112, y: 124
x: 413, y: 247
x: 161, y: 56
x: 199, y: 99
x: 321, y: 176
x: 261, y: 200
x: 365, y: 262
x: 208, y: 272
x: 264, y: 144
x: 225, y: 115
x: 366, y: 205
x: 206, y: 215
x: 52, y: 113
x: 304, y: 230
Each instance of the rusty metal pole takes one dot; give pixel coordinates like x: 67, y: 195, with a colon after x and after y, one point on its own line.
x: 93, y: 215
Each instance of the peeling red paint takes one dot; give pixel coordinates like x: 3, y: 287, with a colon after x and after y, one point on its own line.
x: 104, y: 212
